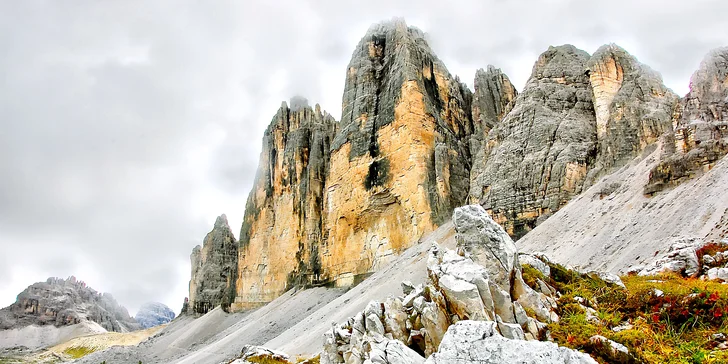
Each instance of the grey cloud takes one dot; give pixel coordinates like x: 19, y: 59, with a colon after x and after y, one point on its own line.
x: 127, y: 127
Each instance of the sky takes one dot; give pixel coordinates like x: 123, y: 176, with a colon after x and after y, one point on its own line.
x: 127, y: 127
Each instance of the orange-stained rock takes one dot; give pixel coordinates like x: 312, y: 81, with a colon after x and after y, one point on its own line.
x: 400, y: 160
x: 282, y: 228
x: 632, y: 105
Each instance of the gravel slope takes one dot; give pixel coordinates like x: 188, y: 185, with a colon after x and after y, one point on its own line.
x: 613, y: 226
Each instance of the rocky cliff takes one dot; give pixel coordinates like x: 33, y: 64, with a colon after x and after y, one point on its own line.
x: 577, y: 119
x: 63, y: 302
x: 214, y: 269
x: 701, y: 126
x: 334, y: 201
x: 281, y: 236
x: 538, y: 156
x: 633, y: 107
x: 400, y: 161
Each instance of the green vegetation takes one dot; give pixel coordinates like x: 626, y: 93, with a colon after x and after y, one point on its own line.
x: 266, y: 359
x: 673, y: 319
x: 78, y: 351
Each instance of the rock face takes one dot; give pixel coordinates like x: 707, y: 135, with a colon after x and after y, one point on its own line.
x: 633, y: 107
x: 705, y: 108
x: 479, y: 342
x: 280, y: 240
x: 577, y: 119
x: 154, y: 314
x: 400, y: 161
x: 63, y: 302
x: 701, y: 126
x: 538, y: 156
x: 493, y: 99
x: 214, y: 269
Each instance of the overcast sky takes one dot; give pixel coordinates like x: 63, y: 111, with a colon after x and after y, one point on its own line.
x: 126, y: 127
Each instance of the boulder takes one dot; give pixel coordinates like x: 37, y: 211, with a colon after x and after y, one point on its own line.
x: 479, y: 342
x: 258, y: 354
x: 717, y: 274
x: 681, y: 258
x: 484, y: 241
x: 385, y: 351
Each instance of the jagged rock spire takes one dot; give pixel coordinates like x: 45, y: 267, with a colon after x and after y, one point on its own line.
x: 282, y: 229
x: 214, y: 269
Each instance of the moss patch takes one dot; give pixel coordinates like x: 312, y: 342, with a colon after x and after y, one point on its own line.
x: 266, y: 359
x: 78, y: 351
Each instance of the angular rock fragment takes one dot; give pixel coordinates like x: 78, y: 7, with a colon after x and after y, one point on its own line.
x: 479, y: 342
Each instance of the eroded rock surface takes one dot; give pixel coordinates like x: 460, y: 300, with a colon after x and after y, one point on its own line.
x: 63, y: 302
x: 493, y: 99
x: 539, y: 154
x: 701, y: 126
x: 280, y: 239
x: 633, y: 107
x: 400, y: 161
x: 214, y: 269
x: 487, y: 287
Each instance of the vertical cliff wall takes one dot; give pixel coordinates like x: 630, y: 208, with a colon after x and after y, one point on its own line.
x: 283, y: 227
x: 400, y: 161
x: 493, y: 99
x: 578, y: 118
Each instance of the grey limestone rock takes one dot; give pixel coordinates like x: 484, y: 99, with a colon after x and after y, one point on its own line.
x: 701, y: 132
x: 539, y: 154
x: 632, y: 105
x: 214, y: 268
x: 707, y: 100
x: 478, y: 342
x: 480, y: 238
x: 62, y: 302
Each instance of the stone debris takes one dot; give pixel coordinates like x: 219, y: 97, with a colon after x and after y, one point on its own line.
x: 479, y: 342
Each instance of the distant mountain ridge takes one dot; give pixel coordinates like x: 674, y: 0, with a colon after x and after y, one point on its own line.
x: 154, y: 314
x: 63, y: 302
